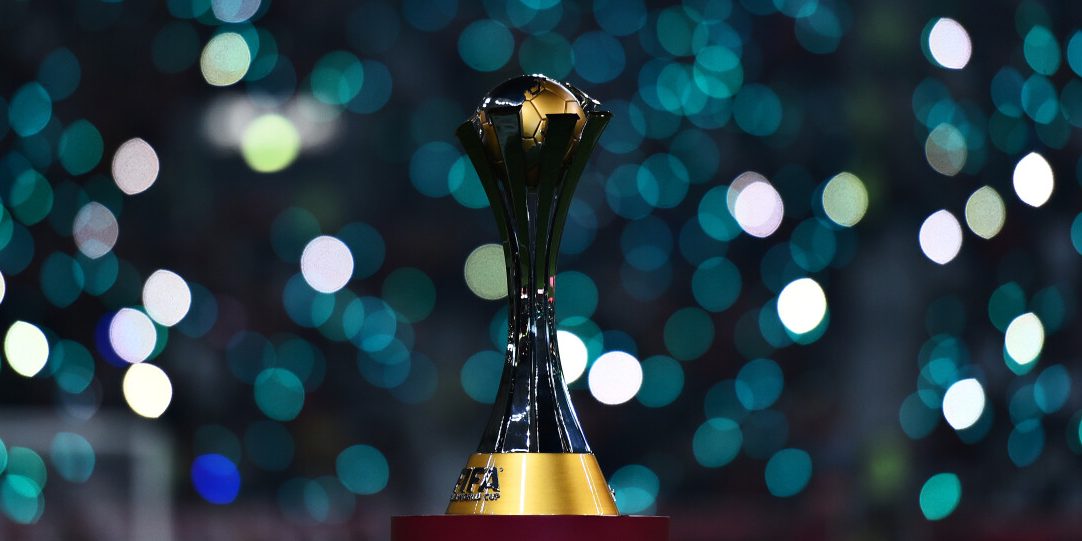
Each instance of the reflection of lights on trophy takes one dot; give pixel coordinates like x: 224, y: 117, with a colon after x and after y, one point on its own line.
x: 533, y: 478
x: 529, y: 141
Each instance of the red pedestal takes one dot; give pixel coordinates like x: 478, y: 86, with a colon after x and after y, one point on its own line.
x: 529, y: 528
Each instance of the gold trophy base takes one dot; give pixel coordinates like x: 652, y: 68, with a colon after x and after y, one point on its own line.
x: 532, y: 484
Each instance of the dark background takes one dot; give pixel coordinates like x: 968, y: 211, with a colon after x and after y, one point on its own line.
x: 850, y: 101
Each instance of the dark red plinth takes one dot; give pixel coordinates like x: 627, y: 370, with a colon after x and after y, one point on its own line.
x: 528, y: 528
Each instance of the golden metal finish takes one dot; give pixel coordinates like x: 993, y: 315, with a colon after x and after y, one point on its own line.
x: 532, y: 484
x: 539, y: 100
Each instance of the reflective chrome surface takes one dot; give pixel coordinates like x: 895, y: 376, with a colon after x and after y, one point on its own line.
x: 530, y: 193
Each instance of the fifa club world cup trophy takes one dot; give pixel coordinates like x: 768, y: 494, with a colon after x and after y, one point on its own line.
x: 529, y: 141
x: 533, y: 475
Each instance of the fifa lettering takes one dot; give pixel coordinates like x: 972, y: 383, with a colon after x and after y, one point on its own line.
x: 476, y: 484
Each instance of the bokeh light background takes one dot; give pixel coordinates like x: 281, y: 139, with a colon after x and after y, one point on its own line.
x: 819, y: 279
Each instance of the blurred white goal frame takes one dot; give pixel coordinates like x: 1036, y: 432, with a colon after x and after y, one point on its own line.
x: 147, y: 448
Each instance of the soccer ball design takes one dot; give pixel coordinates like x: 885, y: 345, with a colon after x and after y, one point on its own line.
x: 536, y: 97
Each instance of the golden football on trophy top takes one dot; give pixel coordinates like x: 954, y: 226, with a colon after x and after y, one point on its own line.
x: 536, y: 98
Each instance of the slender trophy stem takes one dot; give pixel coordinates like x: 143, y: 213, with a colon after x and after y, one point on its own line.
x: 532, y: 411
